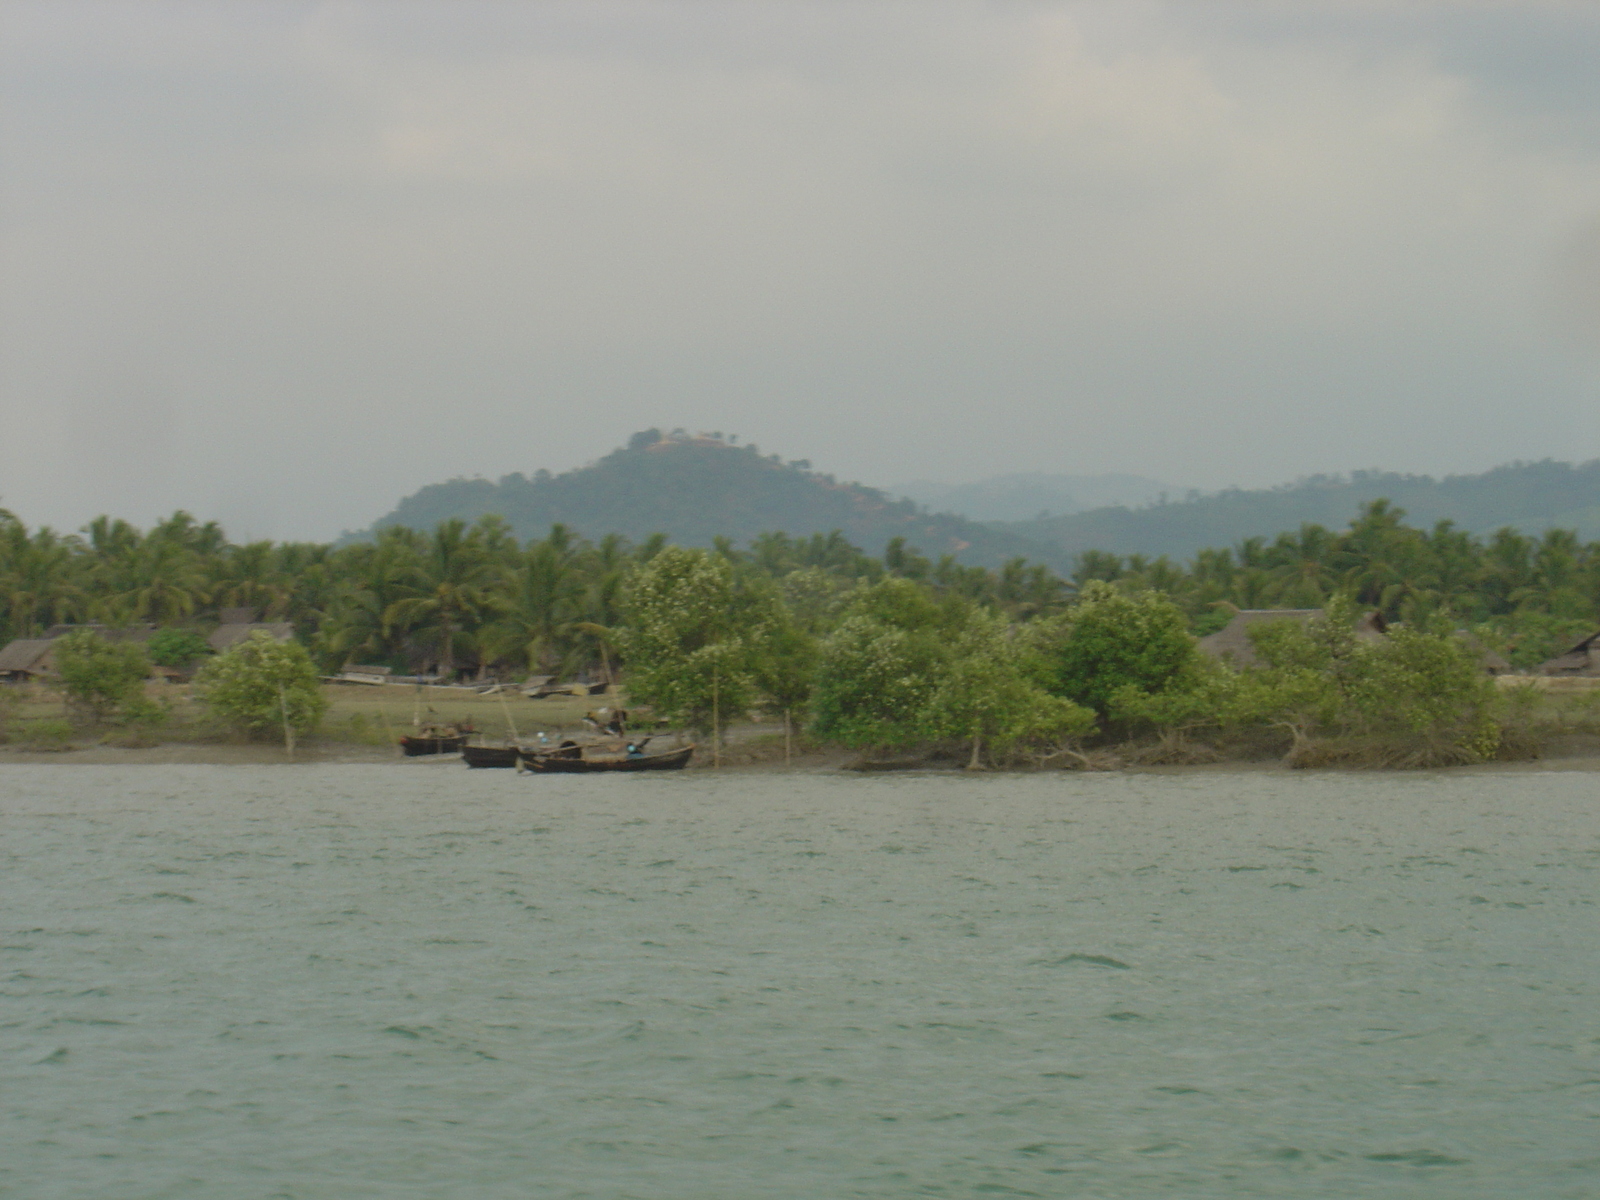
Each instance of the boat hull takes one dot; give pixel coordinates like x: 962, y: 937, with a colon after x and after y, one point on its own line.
x: 672, y: 760
x: 490, y: 756
x: 415, y: 747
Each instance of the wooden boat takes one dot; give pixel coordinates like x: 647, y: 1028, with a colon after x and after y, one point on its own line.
x: 554, y: 764
x: 432, y: 744
x: 490, y: 756
x: 506, y: 755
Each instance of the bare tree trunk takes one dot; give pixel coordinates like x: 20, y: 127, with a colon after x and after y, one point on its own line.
x: 716, y: 722
x: 288, y: 729
x: 788, y: 737
x: 975, y: 763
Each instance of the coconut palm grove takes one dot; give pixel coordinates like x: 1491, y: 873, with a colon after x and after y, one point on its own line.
x: 1014, y: 663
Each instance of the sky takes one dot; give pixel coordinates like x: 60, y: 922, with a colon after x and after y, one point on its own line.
x: 281, y: 264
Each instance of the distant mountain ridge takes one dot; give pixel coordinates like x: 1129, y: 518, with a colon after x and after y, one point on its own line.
x: 1529, y: 497
x: 697, y: 488
x: 1027, y: 496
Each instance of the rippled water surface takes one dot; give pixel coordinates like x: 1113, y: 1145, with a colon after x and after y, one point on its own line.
x: 420, y: 981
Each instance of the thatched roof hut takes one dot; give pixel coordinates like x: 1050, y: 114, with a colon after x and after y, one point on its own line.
x: 27, y: 658
x: 1582, y: 660
x: 228, y: 636
x: 1232, y: 642
x: 34, y: 658
x: 120, y: 633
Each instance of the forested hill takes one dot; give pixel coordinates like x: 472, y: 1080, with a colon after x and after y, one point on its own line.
x: 694, y: 489
x: 1530, y: 497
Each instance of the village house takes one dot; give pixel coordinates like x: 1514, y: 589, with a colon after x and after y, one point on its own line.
x: 27, y: 658
x: 34, y: 658
x: 239, y: 623
x: 1583, y: 660
x: 1232, y: 642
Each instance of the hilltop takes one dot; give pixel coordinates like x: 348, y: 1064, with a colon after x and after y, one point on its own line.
x: 697, y: 488
x: 1529, y: 497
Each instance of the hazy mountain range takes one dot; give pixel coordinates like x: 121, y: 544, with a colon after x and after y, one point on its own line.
x: 1029, y: 496
x: 1530, y: 497
x: 695, y: 489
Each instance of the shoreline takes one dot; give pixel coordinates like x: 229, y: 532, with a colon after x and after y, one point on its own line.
x: 1577, y: 754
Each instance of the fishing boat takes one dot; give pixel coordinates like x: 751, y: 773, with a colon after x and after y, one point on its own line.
x: 554, y: 764
x: 490, y: 756
x: 413, y: 746
x: 506, y: 754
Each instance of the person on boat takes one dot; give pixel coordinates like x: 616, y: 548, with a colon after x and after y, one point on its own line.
x: 618, y: 724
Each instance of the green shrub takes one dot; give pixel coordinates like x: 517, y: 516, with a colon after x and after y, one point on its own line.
x: 261, y: 685
x: 693, y: 638
x: 176, y: 648
x: 100, y: 677
x: 1109, y: 641
x: 1411, y: 698
x: 904, y: 668
x: 874, y: 684
x: 54, y: 734
x: 1212, y: 697
x: 988, y: 696
x: 878, y: 671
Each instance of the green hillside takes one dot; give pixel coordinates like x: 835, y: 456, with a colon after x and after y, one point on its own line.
x: 1530, y: 497
x: 695, y: 489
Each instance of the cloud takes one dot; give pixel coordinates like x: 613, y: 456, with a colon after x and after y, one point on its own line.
x: 374, y: 245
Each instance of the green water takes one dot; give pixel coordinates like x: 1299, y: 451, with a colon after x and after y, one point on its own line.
x: 421, y: 981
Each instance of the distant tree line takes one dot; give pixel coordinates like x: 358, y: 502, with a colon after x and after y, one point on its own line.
x: 474, y: 597
x: 872, y: 651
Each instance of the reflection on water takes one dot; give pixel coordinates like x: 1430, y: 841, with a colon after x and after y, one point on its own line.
x: 427, y: 982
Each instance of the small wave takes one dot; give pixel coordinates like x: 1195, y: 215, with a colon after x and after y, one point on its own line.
x: 1418, y: 1158
x: 1086, y: 960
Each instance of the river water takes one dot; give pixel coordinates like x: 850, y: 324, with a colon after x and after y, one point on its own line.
x: 421, y: 981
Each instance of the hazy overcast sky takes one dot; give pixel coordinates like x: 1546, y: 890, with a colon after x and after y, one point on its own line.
x: 282, y: 263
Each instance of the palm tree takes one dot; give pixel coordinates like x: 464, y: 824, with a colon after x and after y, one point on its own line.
x: 542, y: 600
x: 165, y: 581
x: 607, y: 567
x: 111, y: 548
x: 1381, y: 557
x: 39, y: 586
x: 1211, y: 577
x: 1507, y: 570
x: 371, y: 579
x: 1304, y: 576
x: 448, y: 589
x: 1097, y: 564
x: 248, y: 577
x: 1029, y: 591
